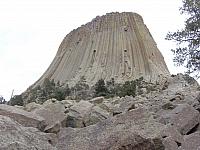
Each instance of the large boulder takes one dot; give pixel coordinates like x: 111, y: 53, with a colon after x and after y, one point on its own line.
x: 191, y: 142
x: 116, y: 132
x: 78, y: 113
x: 14, y: 136
x: 32, y: 106
x: 23, y: 117
x: 126, y: 104
x: 171, y: 137
x: 84, y: 114
x: 184, y: 117
x: 97, y: 114
x: 169, y: 144
x: 54, y: 115
x: 172, y: 133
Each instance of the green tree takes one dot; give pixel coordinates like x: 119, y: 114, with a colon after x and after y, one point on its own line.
x: 111, y: 86
x: 2, y: 100
x: 188, y: 39
x: 100, y: 88
x: 81, y: 84
x: 59, y: 93
x: 81, y: 89
x: 16, y: 100
x: 128, y: 88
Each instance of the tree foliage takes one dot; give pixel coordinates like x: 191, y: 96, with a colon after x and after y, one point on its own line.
x: 81, y: 90
x: 2, y: 100
x: 188, y: 39
x: 100, y: 88
x: 16, y: 100
x: 111, y: 89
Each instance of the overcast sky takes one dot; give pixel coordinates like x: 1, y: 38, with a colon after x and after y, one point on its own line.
x: 32, y: 30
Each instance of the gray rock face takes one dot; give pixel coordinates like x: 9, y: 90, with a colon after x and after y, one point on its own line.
x: 14, y: 136
x: 116, y: 45
x: 25, y: 118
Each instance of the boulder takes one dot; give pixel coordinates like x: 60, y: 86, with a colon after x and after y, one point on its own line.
x: 125, y: 141
x: 97, y: 114
x: 116, y: 132
x: 184, y: 117
x: 68, y: 103
x: 172, y: 133
x: 50, y: 101
x: 107, y: 106
x: 191, y: 142
x: 77, y: 114
x: 126, y: 104
x: 169, y: 144
x: 23, y: 117
x: 84, y: 114
x: 97, y: 100
x: 14, y: 136
x: 32, y: 106
x: 54, y: 115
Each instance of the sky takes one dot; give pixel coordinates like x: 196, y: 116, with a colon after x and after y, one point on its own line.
x: 32, y: 30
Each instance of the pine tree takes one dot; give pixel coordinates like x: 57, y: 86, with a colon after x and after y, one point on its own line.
x: 100, y: 88
x: 188, y: 39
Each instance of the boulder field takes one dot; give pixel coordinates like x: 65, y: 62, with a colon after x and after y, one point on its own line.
x: 161, y: 119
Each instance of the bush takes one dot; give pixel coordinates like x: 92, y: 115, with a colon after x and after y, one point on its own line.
x: 16, y: 100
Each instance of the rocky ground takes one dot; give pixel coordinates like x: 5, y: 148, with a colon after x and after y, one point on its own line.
x: 166, y: 118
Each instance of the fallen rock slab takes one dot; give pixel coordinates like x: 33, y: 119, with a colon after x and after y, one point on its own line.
x: 14, y: 136
x: 54, y: 115
x: 23, y: 117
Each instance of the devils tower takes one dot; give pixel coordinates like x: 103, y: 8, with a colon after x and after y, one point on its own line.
x: 116, y: 45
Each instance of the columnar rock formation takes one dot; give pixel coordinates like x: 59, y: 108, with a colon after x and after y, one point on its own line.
x: 116, y: 45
